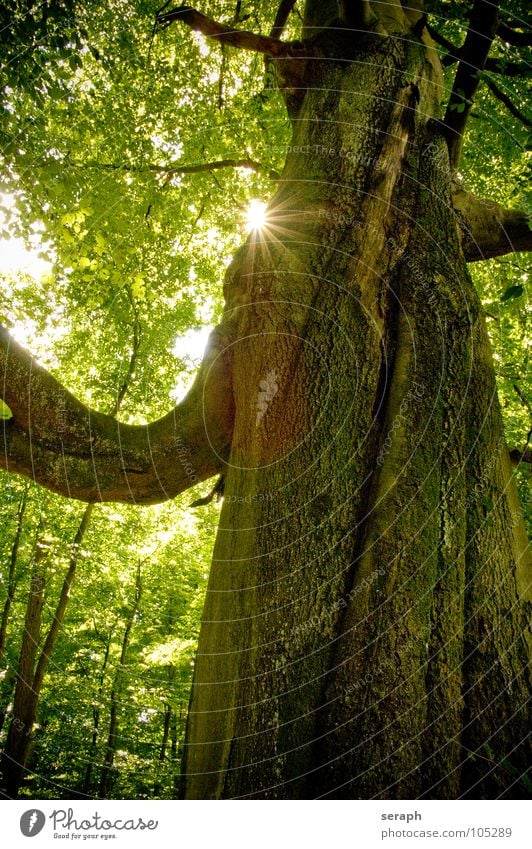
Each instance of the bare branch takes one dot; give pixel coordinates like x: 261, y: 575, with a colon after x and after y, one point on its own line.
x: 281, y: 17
x: 454, y: 54
x: 525, y: 402
x: 56, y: 440
x: 172, y: 169
x: 228, y: 35
x: 479, y: 38
x: 130, y: 369
x: 514, y: 37
x: 500, y: 95
x: 489, y: 230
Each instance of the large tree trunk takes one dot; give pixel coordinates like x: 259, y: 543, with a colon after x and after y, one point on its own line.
x: 363, y: 629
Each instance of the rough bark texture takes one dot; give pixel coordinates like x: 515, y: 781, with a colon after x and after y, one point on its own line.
x: 363, y: 634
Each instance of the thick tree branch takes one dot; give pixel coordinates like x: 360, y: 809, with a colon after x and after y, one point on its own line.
x: 514, y: 37
x: 228, y: 35
x: 500, y: 95
x: 489, y: 230
x: 281, y: 17
x: 479, y: 38
x: 453, y: 52
x: 56, y: 440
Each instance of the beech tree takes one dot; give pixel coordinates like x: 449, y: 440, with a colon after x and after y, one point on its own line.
x: 365, y: 627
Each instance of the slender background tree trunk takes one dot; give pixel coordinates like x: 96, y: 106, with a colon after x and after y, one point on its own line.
x: 106, y: 774
x: 25, y: 700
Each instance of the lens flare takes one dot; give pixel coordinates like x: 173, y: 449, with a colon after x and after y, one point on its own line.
x: 256, y: 215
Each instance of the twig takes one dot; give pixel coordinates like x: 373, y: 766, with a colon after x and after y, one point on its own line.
x: 500, y: 95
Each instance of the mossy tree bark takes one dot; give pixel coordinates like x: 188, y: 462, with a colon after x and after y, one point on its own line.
x: 363, y: 633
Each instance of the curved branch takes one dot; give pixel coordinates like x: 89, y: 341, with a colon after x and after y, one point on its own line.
x: 488, y: 229
x: 59, y: 442
x: 228, y: 35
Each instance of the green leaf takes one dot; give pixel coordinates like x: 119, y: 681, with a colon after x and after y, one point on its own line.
x: 5, y: 412
x: 138, y: 289
x: 512, y: 292
x: 75, y: 61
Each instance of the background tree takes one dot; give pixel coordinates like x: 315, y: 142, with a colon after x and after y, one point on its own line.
x: 370, y: 533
